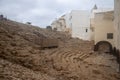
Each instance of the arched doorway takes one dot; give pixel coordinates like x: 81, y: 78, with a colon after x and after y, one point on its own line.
x: 103, y: 46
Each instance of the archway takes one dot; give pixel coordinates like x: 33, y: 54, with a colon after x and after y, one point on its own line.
x: 103, y: 46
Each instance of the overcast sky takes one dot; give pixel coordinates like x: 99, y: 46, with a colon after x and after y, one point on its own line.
x: 43, y: 12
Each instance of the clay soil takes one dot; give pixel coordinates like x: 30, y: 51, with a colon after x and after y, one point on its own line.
x: 21, y: 56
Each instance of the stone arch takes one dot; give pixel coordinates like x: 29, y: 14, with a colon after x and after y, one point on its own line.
x: 96, y: 47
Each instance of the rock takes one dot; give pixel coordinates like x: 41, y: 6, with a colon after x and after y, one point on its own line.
x: 95, y: 71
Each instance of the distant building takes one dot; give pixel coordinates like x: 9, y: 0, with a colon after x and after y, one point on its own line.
x: 76, y: 23
x: 49, y: 27
x: 29, y: 23
x: 96, y: 25
x: 1, y: 17
x: 79, y: 21
x: 59, y: 24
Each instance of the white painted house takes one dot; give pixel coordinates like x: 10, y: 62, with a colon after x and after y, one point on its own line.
x: 59, y: 24
x: 77, y: 23
x: 80, y: 24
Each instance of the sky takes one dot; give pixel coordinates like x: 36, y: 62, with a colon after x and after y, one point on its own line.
x: 42, y: 12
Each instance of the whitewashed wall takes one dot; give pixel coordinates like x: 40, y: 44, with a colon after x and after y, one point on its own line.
x: 80, y: 24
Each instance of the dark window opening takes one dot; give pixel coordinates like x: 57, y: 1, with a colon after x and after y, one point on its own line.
x: 55, y: 29
x: 109, y: 35
x: 86, y: 30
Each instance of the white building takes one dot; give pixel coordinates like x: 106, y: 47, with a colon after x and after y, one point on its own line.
x: 79, y: 22
x: 76, y: 23
x: 59, y: 24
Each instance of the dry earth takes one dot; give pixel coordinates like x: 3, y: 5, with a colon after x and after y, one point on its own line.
x: 21, y: 57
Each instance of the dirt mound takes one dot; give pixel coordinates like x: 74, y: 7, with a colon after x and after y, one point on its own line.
x: 22, y: 58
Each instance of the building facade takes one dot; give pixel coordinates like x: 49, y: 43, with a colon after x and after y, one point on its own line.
x: 79, y: 21
x: 104, y: 27
x: 76, y: 23
x: 117, y: 23
x: 59, y: 24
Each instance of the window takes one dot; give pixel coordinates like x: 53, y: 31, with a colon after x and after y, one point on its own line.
x: 109, y: 35
x: 55, y: 29
x: 86, y: 30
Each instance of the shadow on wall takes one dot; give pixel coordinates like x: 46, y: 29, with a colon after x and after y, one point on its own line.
x: 108, y: 49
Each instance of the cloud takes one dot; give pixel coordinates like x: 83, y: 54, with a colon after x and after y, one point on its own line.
x: 43, y: 12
